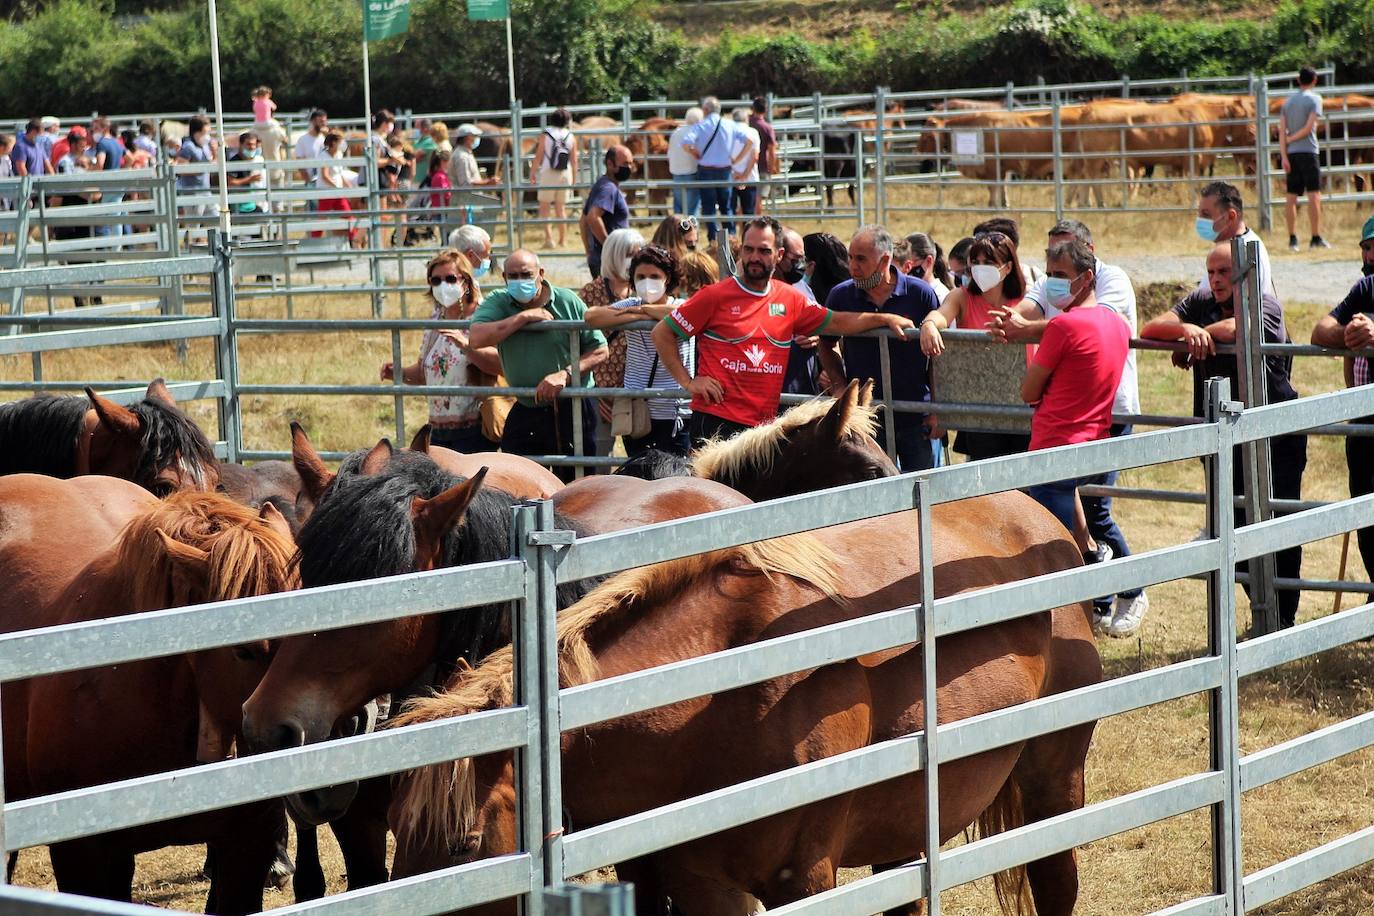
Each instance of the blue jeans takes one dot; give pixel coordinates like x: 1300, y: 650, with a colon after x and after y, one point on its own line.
x: 913, y: 442
x: 111, y: 197
x: 1098, y: 511
x: 714, y: 200
x: 686, y: 197
x: 1058, y: 497
x: 745, y: 199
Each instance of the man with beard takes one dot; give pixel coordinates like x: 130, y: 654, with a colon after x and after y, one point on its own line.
x: 746, y: 323
x: 1350, y: 326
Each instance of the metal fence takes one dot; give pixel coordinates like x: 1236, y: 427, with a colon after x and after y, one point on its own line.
x: 549, y: 856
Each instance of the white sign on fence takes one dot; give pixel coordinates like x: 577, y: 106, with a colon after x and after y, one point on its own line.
x: 967, y: 146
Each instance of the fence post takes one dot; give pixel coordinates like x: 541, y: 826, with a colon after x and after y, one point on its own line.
x: 1011, y: 95
x: 1254, y: 455
x: 374, y: 223
x: 515, y: 199
x: 1058, y: 140
x: 929, y: 687
x: 879, y: 153
x: 1223, y: 714
x: 1125, y: 86
x: 575, y: 381
x: 1265, y: 192
x: 889, y: 420
x: 226, y: 349
x: 540, y: 766
x: 627, y: 113
x: 590, y: 900
x: 21, y: 240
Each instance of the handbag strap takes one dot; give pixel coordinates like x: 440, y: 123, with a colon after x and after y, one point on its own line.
x: 719, y: 122
x: 653, y: 370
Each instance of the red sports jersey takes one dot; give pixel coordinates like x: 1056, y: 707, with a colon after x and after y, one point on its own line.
x: 743, y: 341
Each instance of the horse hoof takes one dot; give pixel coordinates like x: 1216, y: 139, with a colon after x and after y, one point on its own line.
x: 279, y: 875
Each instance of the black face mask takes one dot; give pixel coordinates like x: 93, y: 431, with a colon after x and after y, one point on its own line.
x: 622, y: 173
x: 1367, y: 268
x: 794, y: 273
x: 919, y: 271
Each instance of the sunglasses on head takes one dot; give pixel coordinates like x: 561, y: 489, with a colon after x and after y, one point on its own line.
x: 450, y: 278
x: 687, y: 223
x: 996, y: 238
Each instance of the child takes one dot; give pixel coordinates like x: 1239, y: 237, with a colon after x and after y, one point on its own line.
x: 271, y: 136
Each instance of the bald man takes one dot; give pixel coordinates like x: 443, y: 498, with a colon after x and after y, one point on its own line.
x: 542, y: 360
x: 1205, y: 318
x: 605, y: 210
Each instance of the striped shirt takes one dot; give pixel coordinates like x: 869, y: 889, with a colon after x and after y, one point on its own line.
x: 640, y: 365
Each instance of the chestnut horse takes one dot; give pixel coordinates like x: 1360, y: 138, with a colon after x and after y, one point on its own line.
x: 152, y: 443
x: 458, y: 812
x: 64, y: 559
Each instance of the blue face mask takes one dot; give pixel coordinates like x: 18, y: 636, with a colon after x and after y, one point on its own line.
x: 1057, y: 290
x: 481, y: 269
x: 522, y: 291
x: 1205, y: 230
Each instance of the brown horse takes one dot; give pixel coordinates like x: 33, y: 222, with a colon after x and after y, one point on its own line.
x: 152, y: 443
x: 657, y: 615
x: 275, y: 482
x: 62, y: 562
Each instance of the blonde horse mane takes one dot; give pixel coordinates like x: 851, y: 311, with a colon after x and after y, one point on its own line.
x: 239, y: 554
x: 755, y: 450
x: 439, y: 802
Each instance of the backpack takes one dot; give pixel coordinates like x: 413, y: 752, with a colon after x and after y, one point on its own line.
x: 561, y: 153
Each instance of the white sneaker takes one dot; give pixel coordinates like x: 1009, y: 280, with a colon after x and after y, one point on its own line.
x: 1128, y: 614
x: 1101, y: 623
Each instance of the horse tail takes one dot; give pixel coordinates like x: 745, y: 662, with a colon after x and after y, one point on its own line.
x: 1007, y: 812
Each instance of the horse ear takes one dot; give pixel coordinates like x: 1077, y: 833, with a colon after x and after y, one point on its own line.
x: 116, y: 418
x: 461, y: 665
x: 190, y: 564
x: 866, y: 393
x: 421, y: 441
x: 315, y: 477
x: 157, y: 391
x: 434, y: 518
x: 836, y: 420
x: 273, y: 518
x: 375, y: 461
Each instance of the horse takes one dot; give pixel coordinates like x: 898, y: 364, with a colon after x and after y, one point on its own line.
x: 461, y: 811
x: 96, y: 547
x: 151, y: 443
x: 275, y: 482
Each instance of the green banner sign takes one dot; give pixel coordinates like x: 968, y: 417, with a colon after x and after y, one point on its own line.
x: 488, y: 10
x: 384, y: 18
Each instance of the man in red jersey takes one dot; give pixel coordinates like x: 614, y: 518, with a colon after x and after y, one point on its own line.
x: 744, y: 327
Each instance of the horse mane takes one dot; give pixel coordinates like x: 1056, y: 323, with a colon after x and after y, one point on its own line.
x: 169, y: 437
x: 655, y: 464
x: 245, y: 555
x: 439, y: 801
x: 39, y: 435
x: 364, y: 530
x: 752, y: 452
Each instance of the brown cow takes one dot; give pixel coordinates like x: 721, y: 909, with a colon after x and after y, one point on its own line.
x: 1018, y: 143
x: 649, y: 143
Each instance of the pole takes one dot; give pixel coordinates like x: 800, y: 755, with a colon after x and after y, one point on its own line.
x: 219, y: 121
x: 510, y: 68
x: 367, y: 90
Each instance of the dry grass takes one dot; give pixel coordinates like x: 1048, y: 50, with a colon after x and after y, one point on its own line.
x: 1135, y: 872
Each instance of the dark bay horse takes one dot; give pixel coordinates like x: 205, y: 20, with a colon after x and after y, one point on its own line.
x: 151, y: 443
x: 97, y: 547
x: 453, y: 813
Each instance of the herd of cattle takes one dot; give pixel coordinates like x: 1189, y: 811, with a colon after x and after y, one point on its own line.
x: 1101, y: 141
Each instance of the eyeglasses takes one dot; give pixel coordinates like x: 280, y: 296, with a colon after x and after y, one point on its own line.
x: 687, y: 223
x: 436, y: 279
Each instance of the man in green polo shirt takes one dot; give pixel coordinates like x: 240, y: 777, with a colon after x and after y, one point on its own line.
x: 542, y: 425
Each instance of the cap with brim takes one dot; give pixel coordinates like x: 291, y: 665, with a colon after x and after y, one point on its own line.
x: 49, y: 121
x: 1367, y: 232
x: 468, y: 130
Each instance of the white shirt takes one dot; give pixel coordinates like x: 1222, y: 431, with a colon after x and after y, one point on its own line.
x: 941, y: 291
x: 680, y: 162
x: 1114, y: 290
x: 643, y: 370
x: 1266, y: 275
x: 745, y: 134
x: 310, y: 146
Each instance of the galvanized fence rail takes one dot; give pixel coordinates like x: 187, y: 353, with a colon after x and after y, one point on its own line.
x: 542, y: 712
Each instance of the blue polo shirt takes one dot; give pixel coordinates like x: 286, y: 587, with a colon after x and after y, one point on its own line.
x: 914, y: 298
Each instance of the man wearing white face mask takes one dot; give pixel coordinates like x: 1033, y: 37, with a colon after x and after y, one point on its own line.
x: 543, y: 424
x: 1072, y: 381
x: 475, y: 245
x: 1220, y: 218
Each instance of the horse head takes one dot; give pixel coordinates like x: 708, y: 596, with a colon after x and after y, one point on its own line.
x: 399, y: 513
x: 816, y: 445
x: 154, y: 444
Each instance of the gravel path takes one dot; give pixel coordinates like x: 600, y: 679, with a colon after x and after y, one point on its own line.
x: 1299, y: 278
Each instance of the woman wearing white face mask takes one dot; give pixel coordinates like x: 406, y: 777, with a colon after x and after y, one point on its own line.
x: 611, y: 286
x: 446, y: 358
x: 655, y: 274
x: 996, y: 282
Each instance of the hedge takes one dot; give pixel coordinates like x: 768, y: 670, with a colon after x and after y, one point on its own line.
x: 74, y: 56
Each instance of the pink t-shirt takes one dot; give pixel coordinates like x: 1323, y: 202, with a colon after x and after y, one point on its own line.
x: 1085, y: 350
x: 262, y: 110
x: 977, y: 311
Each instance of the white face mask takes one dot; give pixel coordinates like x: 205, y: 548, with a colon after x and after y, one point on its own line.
x: 650, y: 289
x: 448, y: 294
x: 986, y: 276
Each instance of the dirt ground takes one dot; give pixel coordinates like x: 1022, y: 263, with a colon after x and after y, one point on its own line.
x: 1135, y: 872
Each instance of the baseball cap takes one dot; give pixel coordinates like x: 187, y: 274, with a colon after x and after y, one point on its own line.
x: 468, y: 130
x: 49, y: 121
x: 1367, y: 232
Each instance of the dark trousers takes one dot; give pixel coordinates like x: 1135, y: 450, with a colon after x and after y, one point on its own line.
x: 705, y: 426
x: 1287, y: 461
x: 978, y: 446
x: 714, y: 199
x: 1359, y: 457
x: 1101, y: 525
x: 745, y: 199
x: 913, y: 442
x: 546, y: 430
x: 664, y: 435
x: 467, y: 440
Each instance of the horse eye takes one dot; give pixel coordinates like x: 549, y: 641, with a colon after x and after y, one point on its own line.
x: 162, y: 489
x: 245, y: 653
